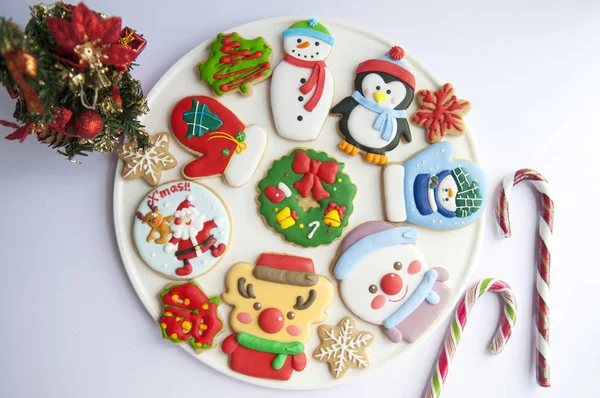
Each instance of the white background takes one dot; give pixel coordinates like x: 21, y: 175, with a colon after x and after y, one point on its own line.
x: 72, y: 325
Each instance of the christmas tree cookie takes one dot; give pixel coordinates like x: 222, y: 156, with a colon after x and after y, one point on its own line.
x: 306, y: 198
x: 236, y: 63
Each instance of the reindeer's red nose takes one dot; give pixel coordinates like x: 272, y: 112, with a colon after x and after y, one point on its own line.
x: 391, y: 284
x: 270, y: 320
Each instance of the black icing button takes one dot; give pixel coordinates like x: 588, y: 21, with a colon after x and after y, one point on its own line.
x: 300, y: 98
x: 303, y: 80
x: 300, y: 118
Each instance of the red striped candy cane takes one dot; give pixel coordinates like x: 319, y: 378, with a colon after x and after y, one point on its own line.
x: 507, y: 322
x: 544, y: 241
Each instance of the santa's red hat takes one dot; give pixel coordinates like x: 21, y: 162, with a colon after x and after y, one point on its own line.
x: 186, y: 203
x: 285, y: 269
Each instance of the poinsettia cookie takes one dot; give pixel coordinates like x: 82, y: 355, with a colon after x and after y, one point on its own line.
x: 306, y: 198
x: 275, y: 303
x: 189, y: 316
x: 302, y: 85
x: 385, y: 280
x: 181, y: 229
x: 236, y: 63
x: 225, y: 145
x: 374, y: 116
x: 434, y: 190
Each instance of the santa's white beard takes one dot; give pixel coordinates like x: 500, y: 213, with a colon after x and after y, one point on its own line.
x: 184, y: 231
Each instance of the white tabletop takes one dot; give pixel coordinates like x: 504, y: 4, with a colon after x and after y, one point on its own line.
x: 73, y: 326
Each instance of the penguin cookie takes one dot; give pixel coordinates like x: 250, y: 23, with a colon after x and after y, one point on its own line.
x: 302, y: 84
x: 374, y: 116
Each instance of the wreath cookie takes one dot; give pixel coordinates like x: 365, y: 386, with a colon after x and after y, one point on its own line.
x: 306, y: 198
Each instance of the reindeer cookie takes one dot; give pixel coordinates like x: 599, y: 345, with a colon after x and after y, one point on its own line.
x: 275, y: 303
x: 193, y: 227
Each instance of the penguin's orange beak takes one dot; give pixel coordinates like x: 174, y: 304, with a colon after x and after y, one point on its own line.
x: 303, y: 45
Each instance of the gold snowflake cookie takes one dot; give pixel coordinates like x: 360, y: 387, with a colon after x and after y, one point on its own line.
x: 148, y: 163
x: 343, y: 347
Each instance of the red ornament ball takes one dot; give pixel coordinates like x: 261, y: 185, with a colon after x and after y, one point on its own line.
x: 87, y: 124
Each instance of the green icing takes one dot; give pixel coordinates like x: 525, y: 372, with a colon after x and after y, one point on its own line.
x: 342, y: 193
x: 469, y: 198
x: 274, y: 347
x: 235, y: 63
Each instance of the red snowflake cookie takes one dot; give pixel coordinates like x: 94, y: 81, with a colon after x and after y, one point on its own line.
x: 189, y: 316
x: 441, y: 113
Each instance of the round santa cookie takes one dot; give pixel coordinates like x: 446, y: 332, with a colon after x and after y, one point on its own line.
x: 236, y: 64
x: 306, y: 198
x: 225, y: 145
x: 374, y: 116
x: 385, y: 280
x: 434, y: 190
x: 181, y: 229
x: 302, y: 85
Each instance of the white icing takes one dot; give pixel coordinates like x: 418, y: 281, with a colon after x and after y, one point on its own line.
x: 285, y: 189
x: 304, y: 51
x: 360, y: 127
x: 447, y: 191
x: 285, y: 91
x: 315, y: 225
x: 243, y: 165
x: 370, y: 270
x: 151, y: 161
x: 393, y: 188
x: 373, y: 83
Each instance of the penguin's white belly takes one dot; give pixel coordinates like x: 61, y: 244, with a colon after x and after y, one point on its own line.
x: 360, y: 127
x: 291, y: 119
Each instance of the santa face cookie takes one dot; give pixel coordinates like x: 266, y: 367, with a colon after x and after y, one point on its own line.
x: 434, y: 190
x: 225, y: 145
x: 302, y: 85
x: 374, y: 116
x: 306, y: 198
x: 274, y: 304
x: 181, y: 229
x: 236, y: 63
x: 386, y: 281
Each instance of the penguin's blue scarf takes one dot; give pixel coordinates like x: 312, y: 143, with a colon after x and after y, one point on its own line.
x: 384, y: 122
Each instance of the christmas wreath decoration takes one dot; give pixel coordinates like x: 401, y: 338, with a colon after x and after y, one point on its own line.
x: 306, y: 198
x: 69, y: 71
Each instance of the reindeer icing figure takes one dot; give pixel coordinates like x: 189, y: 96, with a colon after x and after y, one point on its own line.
x: 275, y: 304
x: 157, y: 223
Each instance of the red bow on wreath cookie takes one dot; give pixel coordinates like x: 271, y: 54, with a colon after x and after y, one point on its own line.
x: 314, y: 172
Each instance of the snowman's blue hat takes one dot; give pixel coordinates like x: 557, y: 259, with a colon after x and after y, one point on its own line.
x: 366, y: 239
x: 423, y: 188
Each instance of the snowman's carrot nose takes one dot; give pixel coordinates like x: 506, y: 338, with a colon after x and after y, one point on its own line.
x: 303, y: 45
x: 450, y: 192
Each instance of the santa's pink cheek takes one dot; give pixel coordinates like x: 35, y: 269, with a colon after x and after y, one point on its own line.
x: 294, y: 330
x: 414, y: 267
x: 367, y: 91
x: 244, y: 317
x: 378, y: 302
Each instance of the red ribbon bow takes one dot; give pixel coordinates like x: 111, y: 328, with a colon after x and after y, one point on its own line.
x: 314, y: 172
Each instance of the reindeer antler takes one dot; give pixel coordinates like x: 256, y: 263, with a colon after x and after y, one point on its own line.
x: 140, y: 216
x: 151, y: 206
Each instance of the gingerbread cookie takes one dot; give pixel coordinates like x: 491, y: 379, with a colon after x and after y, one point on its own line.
x: 189, y: 316
x: 181, y: 229
x: 441, y: 113
x: 236, y: 63
x: 306, y: 198
x: 385, y: 280
x: 343, y: 347
x: 147, y: 163
x: 225, y: 145
x: 434, y: 190
x: 302, y: 85
x: 374, y: 116
x: 275, y: 303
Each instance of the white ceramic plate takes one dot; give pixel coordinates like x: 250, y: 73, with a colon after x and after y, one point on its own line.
x: 454, y: 250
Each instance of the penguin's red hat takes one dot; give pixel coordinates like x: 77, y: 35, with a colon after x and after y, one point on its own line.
x: 392, y: 64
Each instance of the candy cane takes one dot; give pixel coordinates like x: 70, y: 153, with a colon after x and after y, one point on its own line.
x: 544, y: 241
x: 507, y: 322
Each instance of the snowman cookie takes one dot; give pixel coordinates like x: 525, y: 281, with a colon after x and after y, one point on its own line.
x: 236, y: 63
x: 225, y: 145
x: 181, y: 229
x: 302, y: 85
x: 306, y: 198
x: 434, y: 190
x: 374, y: 116
x: 385, y: 280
